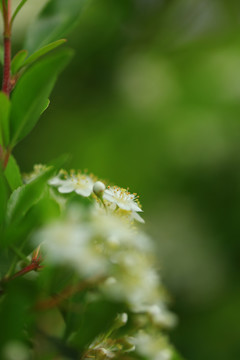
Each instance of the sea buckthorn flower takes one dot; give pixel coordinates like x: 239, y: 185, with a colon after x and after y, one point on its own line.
x: 81, y: 184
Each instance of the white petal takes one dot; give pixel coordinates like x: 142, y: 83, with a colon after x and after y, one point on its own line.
x: 108, y: 192
x: 137, y: 217
x: 66, y: 188
x: 55, y: 181
x: 135, y: 207
x: 84, y: 191
x: 108, y: 197
x: 124, y: 206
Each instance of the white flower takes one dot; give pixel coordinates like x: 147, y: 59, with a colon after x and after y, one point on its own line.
x: 80, y: 183
x: 71, y: 244
x: 132, y: 278
x: 153, y: 347
x: 158, y: 314
x: 122, y: 198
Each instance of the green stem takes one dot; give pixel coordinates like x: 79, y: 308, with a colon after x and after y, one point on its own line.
x: 15, y: 260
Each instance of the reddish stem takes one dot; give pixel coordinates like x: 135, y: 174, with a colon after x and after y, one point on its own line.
x: 6, y: 158
x: 35, y: 265
x: 26, y: 270
x: 6, y: 87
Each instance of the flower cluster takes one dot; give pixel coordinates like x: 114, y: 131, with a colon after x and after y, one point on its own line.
x: 101, y: 241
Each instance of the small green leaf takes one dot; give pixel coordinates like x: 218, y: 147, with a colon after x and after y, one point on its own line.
x: 44, y: 50
x: 18, y: 60
x: 12, y: 174
x: 32, y: 91
x: 4, y: 119
x: 18, y: 8
x: 24, y: 197
x: 56, y: 19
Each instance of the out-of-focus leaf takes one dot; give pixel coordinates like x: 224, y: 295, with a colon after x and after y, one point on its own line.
x: 97, y: 318
x: 59, y: 161
x: 13, y: 174
x: 14, y: 311
x: 4, y: 119
x: 56, y: 19
x: 18, y: 61
x: 24, y: 197
x: 32, y: 91
x: 44, y: 50
x: 3, y: 200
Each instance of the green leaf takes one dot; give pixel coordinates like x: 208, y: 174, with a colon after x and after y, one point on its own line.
x: 56, y: 19
x: 32, y: 91
x: 44, y: 50
x: 45, y: 106
x: 14, y: 311
x: 4, y: 119
x: 18, y: 60
x: 3, y: 200
x: 59, y: 161
x: 12, y: 174
x: 24, y: 197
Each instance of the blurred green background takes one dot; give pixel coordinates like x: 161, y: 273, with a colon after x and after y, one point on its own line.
x: 152, y: 101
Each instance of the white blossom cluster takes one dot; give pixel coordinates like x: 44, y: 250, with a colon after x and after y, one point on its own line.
x: 102, y: 241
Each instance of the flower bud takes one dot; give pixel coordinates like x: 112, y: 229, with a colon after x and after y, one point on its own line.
x: 121, y: 320
x: 98, y: 188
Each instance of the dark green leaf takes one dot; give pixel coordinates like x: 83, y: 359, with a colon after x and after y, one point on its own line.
x: 56, y: 19
x: 13, y: 174
x: 4, y: 119
x: 32, y: 91
x: 24, y: 197
x: 18, y: 61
